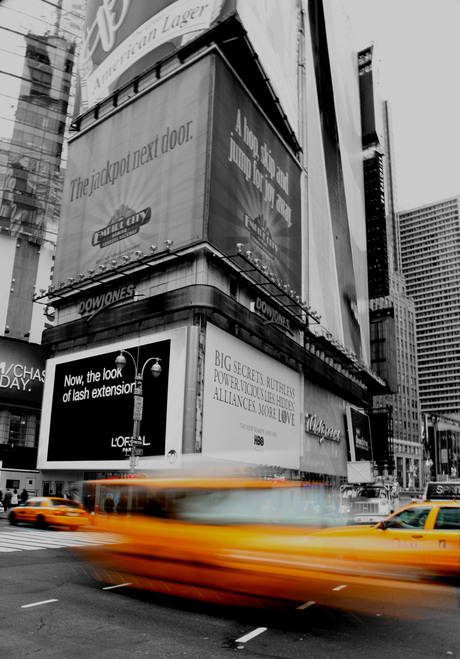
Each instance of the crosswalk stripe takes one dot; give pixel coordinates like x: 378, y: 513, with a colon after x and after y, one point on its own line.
x: 29, y: 539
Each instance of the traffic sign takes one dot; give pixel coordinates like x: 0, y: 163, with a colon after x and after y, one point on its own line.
x: 138, y: 408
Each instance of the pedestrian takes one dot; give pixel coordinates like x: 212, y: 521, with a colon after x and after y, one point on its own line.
x: 24, y: 495
x: 7, y: 500
x: 15, y: 498
x: 109, y: 504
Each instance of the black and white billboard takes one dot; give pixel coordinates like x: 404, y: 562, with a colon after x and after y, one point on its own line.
x: 89, y: 403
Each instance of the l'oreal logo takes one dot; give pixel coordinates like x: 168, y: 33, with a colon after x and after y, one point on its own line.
x: 121, y: 228
x: 98, y: 302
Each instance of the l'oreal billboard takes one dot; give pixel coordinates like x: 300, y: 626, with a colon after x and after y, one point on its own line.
x: 123, y: 37
x: 142, y: 175
x: 89, y: 405
x: 251, y: 405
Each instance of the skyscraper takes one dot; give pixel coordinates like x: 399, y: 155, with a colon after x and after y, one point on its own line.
x: 392, y: 311
x: 38, y: 43
x: 430, y: 252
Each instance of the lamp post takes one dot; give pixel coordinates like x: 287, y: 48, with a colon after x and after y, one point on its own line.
x: 120, y: 361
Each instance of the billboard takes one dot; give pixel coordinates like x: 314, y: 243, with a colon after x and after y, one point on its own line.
x: 140, y: 178
x: 137, y: 178
x: 89, y: 405
x: 359, y: 434
x: 255, y: 183
x: 251, y: 404
x: 22, y: 372
x: 121, y: 38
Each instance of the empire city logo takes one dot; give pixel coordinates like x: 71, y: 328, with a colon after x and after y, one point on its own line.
x: 261, y: 234
x: 126, y: 222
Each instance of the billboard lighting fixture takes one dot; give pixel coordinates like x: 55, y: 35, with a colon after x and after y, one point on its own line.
x: 50, y: 289
x: 102, y: 268
x: 138, y: 253
x: 42, y: 291
x: 125, y: 258
x: 168, y: 243
x: 239, y: 247
x: 70, y: 280
x: 80, y: 276
x: 60, y: 284
x: 153, y: 248
x: 265, y: 269
x: 256, y: 263
x: 248, y: 254
x: 91, y: 272
x: 113, y: 262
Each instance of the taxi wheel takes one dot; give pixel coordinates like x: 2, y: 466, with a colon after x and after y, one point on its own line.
x: 41, y: 522
x: 13, y: 519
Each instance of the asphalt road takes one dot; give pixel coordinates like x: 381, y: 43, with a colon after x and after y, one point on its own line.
x: 51, y: 607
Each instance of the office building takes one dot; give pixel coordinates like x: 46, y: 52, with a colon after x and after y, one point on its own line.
x: 430, y: 252
x: 38, y: 43
x: 396, y: 413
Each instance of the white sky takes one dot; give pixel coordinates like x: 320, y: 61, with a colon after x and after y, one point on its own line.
x: 417, y: 49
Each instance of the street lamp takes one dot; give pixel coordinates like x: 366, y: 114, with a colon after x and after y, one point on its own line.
x: 120, y: 361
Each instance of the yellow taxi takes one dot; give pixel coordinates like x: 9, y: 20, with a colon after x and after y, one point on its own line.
x: 423, y: 537
x: 50, y: 511
x: 224, y: 540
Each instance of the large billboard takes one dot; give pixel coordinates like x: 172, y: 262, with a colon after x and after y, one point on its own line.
x: 251, y: 407
x: 121, y: 38
x: 89, y: 405
x: 22, y: 372
x: 141, y: 177
x: 255, y: 184
x: 137, y: 178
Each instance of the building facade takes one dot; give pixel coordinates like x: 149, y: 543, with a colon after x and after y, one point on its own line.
x: 392, y: 310
x: 36, y: 76
x: 212, y: 228
x: 430, y: 250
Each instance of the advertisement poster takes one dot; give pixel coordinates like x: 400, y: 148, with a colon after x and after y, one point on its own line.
x: 255, y: 184
x: 89, y: 404
x: 359, y: 433
x: 22, y: 372
x: 121, y: 38
x: 251, y: 410
x: 137, y: 179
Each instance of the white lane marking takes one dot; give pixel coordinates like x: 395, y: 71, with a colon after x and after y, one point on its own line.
x: 306, y: 605
x: 252, y: 634
x: 339, y: 587
x: 118, y: 585
x: 26, y: 606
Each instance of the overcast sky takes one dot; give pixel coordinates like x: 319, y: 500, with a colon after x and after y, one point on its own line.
x: 417, y: 48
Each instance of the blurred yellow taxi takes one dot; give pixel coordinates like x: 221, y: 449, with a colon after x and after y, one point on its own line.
x: 50, y: 511
x: 226, y: 539
x: 423, y: 537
